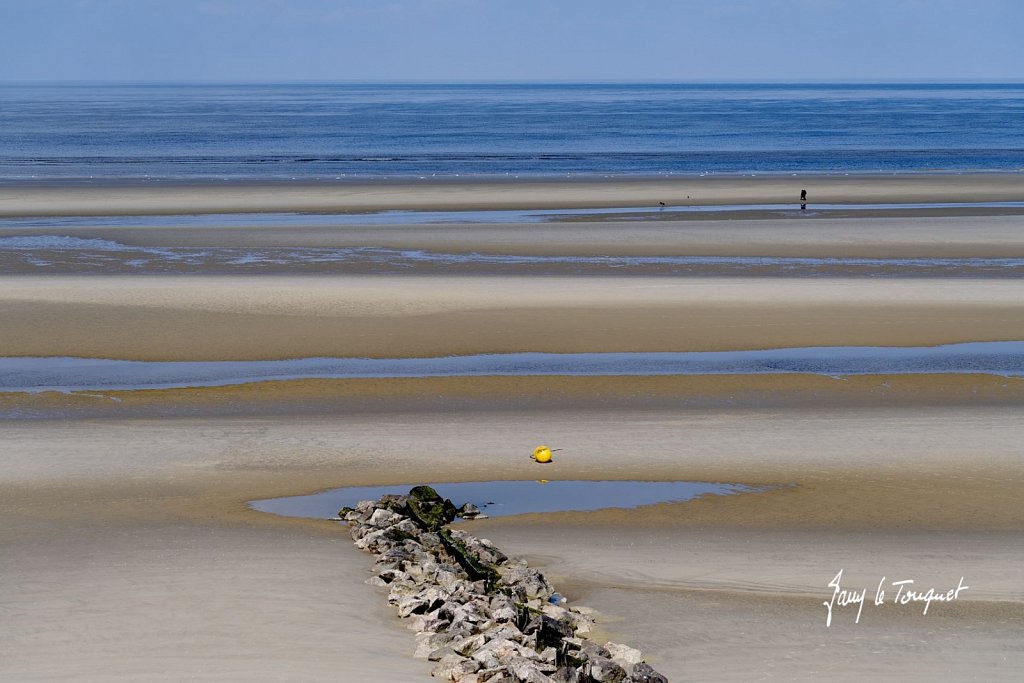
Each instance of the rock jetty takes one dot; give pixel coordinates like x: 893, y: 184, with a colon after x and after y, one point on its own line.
x: 481, y: 615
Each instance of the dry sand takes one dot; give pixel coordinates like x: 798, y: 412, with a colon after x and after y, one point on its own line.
x: 242, y: 318
x: 128, y: 551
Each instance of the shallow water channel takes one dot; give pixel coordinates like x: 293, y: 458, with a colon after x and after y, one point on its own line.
x: 36, y: 374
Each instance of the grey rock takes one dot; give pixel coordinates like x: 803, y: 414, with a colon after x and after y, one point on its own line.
x: 499, y: 557
x: 374, y: 540
x: 406, y: 526
x: 565, y: 674
x: 517, y: 593
x: 468, y: 645
x: 488, y: 659
x: 469, y: 613
x: 643, y: 673
x: 387, y: 564
x: 581, y: 623
x: 469, y: 511
x: 483, y: 549
x: 556, y: 612
x: 497, y: 674
x: 605, y: 671
x: 552, y: 632
x: 503, y: 609
x: 505, y: 632
x: 503, y: 613
x: 399, y: 590
x: 393, y: 502
x: 442, y: 652
x: 586, y: 652
x: 594, y: 651
x: 528, y: 670
x: 401, y: 554
x: 426, y: 643
x: 465, y: 671
x: 531, y: 580
x: 452, y: 667
x: 353, y: 517
x: 411, y: 604
x: 430, y: 540
x: 623, y: 655
x: 383, y: 518
x: 449, y: 578
x: 436, y: 625
x: 392, y: 575
x: 502, y: 649
x: 436, y: 598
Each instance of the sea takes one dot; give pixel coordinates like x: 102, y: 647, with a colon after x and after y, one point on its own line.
x: 322, y: 132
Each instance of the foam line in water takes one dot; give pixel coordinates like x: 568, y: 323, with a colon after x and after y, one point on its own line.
x: 35, y: 374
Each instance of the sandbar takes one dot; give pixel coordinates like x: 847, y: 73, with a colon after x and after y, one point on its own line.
x: 249, y: 318
x: 28, y: 199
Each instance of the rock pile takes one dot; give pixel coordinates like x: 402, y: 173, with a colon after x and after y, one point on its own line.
x: 482, y: 616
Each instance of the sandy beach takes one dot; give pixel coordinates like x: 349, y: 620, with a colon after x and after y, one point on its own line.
x: 129, y: 551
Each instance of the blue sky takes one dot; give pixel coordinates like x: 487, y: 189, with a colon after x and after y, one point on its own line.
x: 510, y: 40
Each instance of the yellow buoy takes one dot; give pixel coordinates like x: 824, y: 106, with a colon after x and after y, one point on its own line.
x: 542, y: 454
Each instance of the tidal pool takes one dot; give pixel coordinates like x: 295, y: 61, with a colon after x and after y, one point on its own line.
x: 503, y: 498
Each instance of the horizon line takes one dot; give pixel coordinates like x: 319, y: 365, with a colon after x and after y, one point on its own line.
x: 510, y: 82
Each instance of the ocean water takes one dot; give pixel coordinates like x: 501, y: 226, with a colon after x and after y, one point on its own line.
x: 328, y: 132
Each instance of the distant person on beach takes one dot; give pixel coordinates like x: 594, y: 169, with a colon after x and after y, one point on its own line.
x: 803, y: 195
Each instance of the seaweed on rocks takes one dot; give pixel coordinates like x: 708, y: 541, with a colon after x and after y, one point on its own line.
x: 475, y: 568
x: 429, y: 510
x: 480, y: 615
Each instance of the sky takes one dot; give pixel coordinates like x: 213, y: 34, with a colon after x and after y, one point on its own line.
x: 510, y: 40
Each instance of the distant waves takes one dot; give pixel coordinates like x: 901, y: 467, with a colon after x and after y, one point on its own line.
x: 526, y: 165
x: 408, y: 131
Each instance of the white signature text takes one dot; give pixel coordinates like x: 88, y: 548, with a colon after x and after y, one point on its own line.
x: 904, y: 593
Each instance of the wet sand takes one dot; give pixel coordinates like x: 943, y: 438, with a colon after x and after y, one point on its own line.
x: 314, y: 397
x: 901, y: 246
x: 156, y: 198
x: 128, y: 550
x: 148, y: 520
